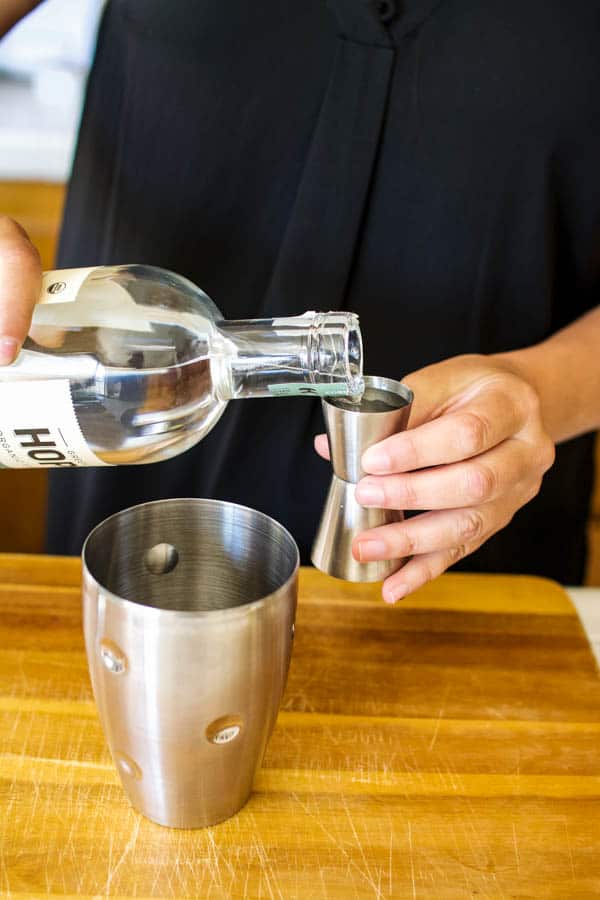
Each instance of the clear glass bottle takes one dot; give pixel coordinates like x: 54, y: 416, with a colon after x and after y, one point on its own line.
x: 134, y: 364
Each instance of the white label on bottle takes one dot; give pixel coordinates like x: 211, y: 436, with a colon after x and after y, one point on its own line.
x: 312, y: 390
x: 38, y: 427
x: 62, y: 285
x: 107, y: 304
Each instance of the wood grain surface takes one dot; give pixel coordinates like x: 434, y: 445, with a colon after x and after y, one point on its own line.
x: 445, y: 748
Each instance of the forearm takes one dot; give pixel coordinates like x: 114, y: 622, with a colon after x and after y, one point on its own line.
x: 565, y: 371
x: 13, y: 10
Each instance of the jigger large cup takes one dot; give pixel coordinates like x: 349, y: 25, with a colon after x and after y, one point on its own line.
x: 352, y: 427
x: 188, y: 611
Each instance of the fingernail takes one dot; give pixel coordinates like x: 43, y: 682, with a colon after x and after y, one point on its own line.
x: 371, y: 550
x: 376, y: 461
x: 9, y: 348
x: 393, y: 594
x: 369, y: 494
x: 319, y: 443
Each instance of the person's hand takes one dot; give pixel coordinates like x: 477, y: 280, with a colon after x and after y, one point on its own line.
x: 20, y: 285
x: 475, y: 452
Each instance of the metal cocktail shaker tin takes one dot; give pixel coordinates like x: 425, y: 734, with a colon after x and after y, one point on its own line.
x: 188, y: 610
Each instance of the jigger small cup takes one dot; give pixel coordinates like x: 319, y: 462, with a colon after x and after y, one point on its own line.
x: 352, y: 427
x: 188, y: 613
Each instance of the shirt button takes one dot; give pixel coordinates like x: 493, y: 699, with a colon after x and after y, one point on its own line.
x: 385, y: 10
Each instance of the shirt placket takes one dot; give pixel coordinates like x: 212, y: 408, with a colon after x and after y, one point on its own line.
x: 319, y: 243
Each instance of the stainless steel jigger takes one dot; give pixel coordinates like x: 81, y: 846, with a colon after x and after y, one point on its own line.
x: 352, y: 427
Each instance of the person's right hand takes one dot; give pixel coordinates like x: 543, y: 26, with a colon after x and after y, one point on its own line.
x: 20, y: 285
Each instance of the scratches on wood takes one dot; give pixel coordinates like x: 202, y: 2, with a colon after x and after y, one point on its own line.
x: 569, y: 849
x: 411, y: 859
x: 449, y: 748
x: 516, y: 846
x: 439, y: 718
x: 122, y: 855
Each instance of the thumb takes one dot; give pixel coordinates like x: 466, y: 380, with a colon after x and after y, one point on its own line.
x: 20, y: 285
x: 428, y: 395
x: 438, y: 386
x: 322, y: 445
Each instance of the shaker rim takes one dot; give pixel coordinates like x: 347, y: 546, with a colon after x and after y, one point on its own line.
x: 228, y: 612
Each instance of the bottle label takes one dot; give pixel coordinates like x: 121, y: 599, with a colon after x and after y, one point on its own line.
x: 301, y: 389
x: 39, y: 428
x: 62, y: 285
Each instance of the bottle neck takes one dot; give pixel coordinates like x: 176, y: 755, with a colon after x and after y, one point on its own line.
x: 317, y: 354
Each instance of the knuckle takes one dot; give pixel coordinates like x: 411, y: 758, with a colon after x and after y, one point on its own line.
x: 538, y: 457
x: 470, y: 526
x: 412, y: 545
x: 481, y: 482
x: 11, y: 229
x: 426, y: 572
x: 547, y: 455
x: 405, y: 494
x: 473, y: 434
x: 6, y: 223
x: 35, y: 255
x: 410, y: 451
x: 534, y: 490
x: 506, y: 520
x: 530, y: 401
x: 456, y: 553
x: 15, y: 244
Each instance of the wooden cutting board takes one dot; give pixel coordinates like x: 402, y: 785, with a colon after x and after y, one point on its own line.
x: 445, y: 748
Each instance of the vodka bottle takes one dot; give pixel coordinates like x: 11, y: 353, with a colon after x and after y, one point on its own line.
x: 134, y: 364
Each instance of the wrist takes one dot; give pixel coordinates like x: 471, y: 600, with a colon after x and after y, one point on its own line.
x: 544, y: 369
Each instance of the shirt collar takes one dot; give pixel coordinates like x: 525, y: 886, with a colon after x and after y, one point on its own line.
x: 380, y: 22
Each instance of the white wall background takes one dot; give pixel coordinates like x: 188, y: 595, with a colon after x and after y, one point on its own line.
x: 44, y: 62
x: 58, y: 33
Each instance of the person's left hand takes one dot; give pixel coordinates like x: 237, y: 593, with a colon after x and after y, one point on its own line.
x: 475, y: 452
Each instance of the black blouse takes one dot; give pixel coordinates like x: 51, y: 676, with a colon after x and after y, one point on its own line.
x: 433, y: 165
